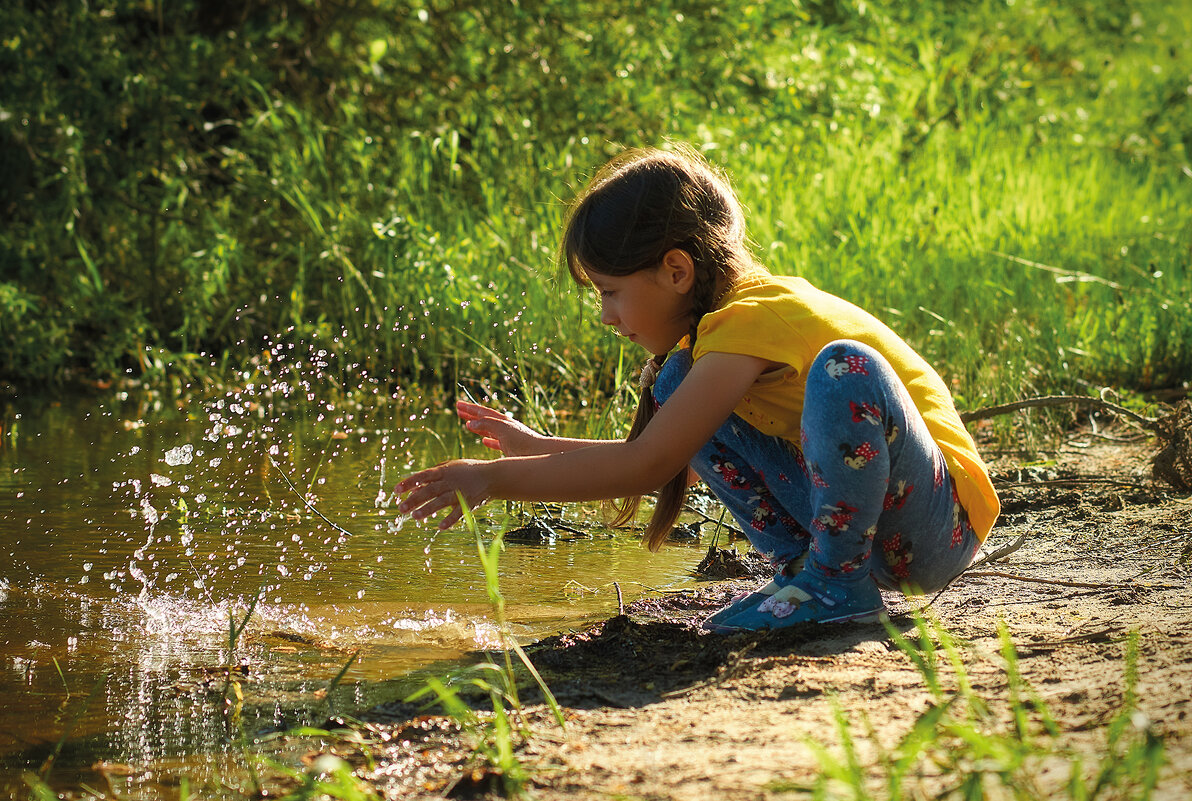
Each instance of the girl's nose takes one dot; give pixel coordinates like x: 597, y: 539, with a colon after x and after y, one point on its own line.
x: 607, y: 317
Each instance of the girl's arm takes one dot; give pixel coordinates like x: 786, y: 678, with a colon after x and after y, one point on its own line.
x: 701, y: 404
x: 502, y: 433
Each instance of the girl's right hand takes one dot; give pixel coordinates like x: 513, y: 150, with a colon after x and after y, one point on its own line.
x: 430, y: 491
x: 499, y: 432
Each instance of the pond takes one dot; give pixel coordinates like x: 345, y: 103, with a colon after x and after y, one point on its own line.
x: 130, y: 537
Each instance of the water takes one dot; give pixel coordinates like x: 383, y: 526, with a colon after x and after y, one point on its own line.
x: 129, y: 536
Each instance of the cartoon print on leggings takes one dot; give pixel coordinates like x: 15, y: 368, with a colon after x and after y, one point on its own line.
x: 960, y: 522
x: 865, y: 412
x: 841, y: 363
x: 763, y: 512
x: 729, y: 472
x: 850, y: 566
x: 811, y: 469
x: 896, y: 499
x: 940, y: 470
x: 834, y: 518
x: 858, y: 457
x: 898, y: 556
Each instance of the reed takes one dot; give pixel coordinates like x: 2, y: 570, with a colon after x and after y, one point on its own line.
x: 964, y: 746
x: 1020, y: 215
x: 495, y: 736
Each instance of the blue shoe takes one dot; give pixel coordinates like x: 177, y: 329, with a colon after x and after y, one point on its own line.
x: 805, y: 598
x: 752, y: 599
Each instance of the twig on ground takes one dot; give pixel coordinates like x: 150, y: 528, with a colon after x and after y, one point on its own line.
x: 1148, y: 423
x: 1076, y: 480
x: 1034, y: 580
x: 1117, y: 440
x: 1001, y: 552
x: 1101, y: 635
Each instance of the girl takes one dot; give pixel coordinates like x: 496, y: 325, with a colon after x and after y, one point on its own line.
x: 834, y: 445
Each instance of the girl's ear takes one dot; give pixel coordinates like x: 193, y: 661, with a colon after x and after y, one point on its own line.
x: 679, y: 270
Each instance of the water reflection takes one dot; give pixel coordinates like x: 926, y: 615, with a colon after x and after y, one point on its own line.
x: 128, y: 541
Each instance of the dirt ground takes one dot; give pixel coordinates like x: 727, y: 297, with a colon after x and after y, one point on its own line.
x: 657, y: 709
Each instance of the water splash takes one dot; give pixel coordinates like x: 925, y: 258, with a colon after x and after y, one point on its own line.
x: 385, y: 498
x: 183, y: 454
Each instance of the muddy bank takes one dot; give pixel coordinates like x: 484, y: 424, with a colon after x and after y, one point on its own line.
x: 1091, y: 549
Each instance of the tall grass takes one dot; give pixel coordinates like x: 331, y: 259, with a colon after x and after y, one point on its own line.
x: 1006, y: 183
x: 495, y: 737
x: 966, y: 746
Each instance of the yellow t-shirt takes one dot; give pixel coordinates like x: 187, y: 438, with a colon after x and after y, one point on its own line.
x: 786, y: 319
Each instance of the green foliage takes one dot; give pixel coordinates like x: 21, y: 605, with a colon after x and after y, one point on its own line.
x: 960, y: 747
x: 494, y: 736
x: 326, y: 777
x: 1004, y: 182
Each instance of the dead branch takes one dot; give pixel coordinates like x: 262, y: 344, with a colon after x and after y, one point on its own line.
x: 1106, y: 634
x: 1057, y: 582
x: 1074, y: 481
x: 1149, y: 423
x: 1173, y: 464
x: 1002, y: 552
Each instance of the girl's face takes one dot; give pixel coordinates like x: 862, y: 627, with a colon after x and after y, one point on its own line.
x: 649, y: 307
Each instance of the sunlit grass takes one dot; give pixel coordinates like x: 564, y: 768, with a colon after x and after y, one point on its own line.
x: 1006, y: 184
x: 495, y: 736
x: 968, y: 745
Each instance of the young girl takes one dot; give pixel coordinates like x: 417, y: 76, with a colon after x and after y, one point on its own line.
x: 833, y: 444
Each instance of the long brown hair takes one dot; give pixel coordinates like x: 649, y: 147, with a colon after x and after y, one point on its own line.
x: 638, y: 207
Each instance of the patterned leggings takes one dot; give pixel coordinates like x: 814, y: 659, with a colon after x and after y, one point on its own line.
x: 868, y: 493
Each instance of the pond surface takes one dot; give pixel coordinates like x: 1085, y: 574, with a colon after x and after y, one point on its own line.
x: 130, y: 538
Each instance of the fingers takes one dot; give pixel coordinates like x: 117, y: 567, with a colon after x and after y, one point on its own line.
x: 486, y: 423
x: 451, y: 519
x: 426, y: 494
x: 487, y: 437
x: 467, y: 411
x: 424, y: 503
x: 431, y: 491
x: 474, y: 411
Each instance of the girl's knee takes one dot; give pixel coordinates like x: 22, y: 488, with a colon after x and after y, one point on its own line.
x: 676, y: 367
x: 845, y: 365
x: 843, y: 357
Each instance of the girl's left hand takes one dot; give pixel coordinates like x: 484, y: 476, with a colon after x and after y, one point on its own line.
x: 501, y: 432
x: 435, y: 489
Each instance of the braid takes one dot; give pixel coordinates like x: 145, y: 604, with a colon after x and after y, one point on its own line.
x: 703, y: 295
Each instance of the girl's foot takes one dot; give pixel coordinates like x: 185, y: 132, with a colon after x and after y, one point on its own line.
x: 747, y: 600
x: 804, y: 598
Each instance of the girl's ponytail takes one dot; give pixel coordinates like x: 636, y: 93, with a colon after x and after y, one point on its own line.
x: 672, y: 494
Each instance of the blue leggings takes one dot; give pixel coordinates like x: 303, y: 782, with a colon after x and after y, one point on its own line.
x: 867, y: 494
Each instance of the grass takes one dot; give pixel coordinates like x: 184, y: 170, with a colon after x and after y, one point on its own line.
x: 495, y: 737
x: 965, y: 746
x: 1019, y: 214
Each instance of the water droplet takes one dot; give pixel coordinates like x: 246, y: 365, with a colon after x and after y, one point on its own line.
x: 183, y: 454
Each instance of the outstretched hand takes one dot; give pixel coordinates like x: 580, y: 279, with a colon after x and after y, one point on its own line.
x: 434, y: 489
x: 430, y: 491
x: 499, y: 431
